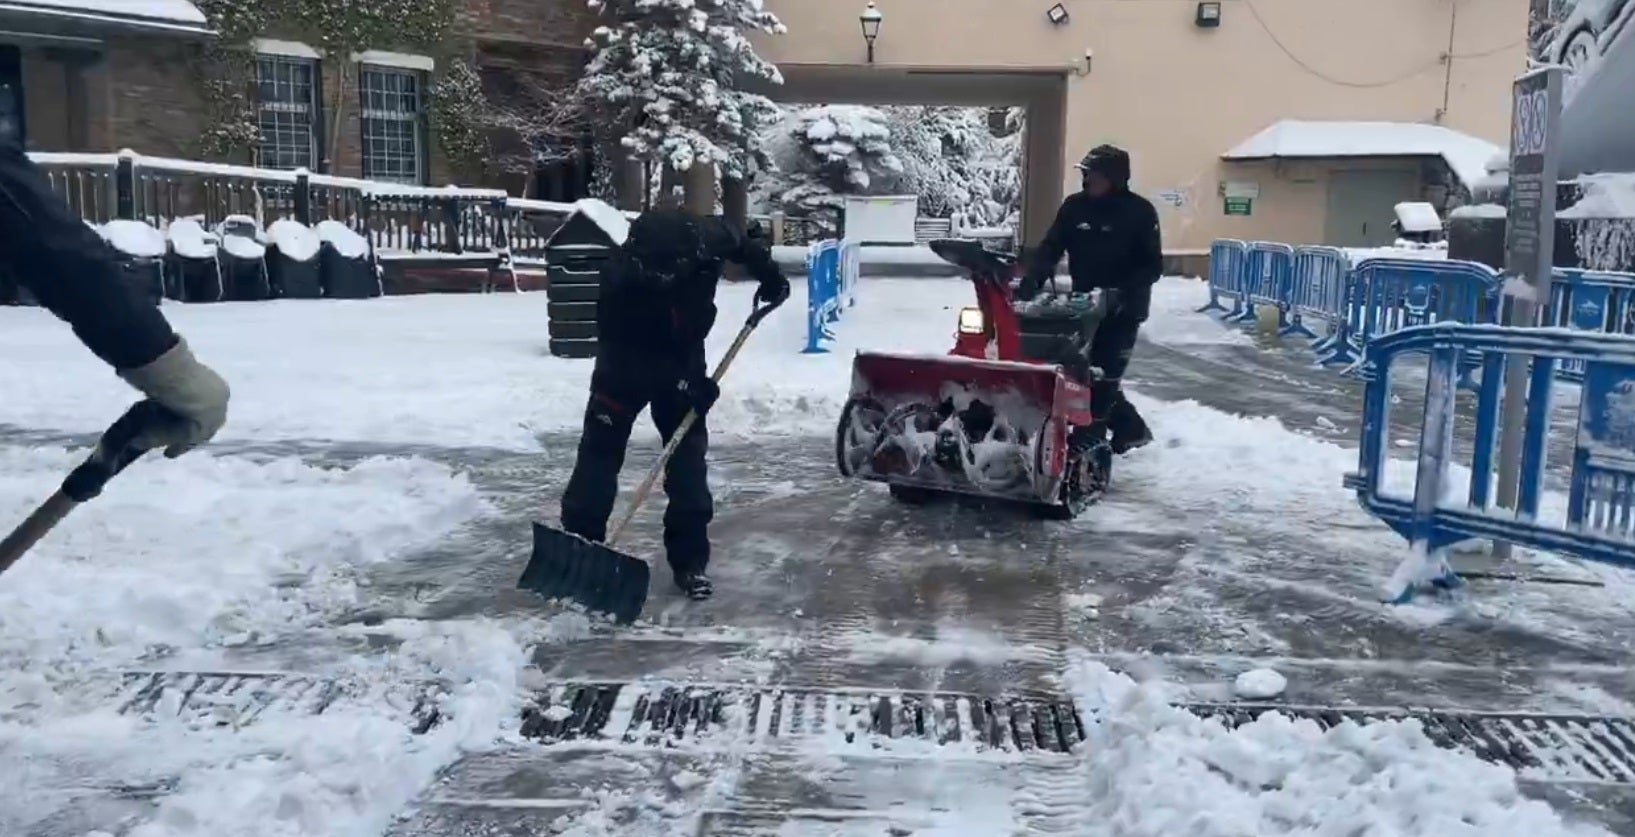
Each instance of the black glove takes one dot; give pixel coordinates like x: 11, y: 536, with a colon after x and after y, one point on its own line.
x: 772, y: 292
x: 1029, y: 288
x: 700, y: 392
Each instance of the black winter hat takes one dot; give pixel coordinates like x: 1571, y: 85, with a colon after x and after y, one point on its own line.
x: 1109, y: 161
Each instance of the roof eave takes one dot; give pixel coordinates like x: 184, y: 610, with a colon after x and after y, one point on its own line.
x: 72, y: 23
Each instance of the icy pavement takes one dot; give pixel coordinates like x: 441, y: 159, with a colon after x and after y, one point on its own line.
x: 365, y: 520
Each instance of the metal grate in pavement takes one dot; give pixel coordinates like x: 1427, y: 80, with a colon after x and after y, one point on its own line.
x: 1559, y: 748
x: 237, y: 699
x: 668, y: 715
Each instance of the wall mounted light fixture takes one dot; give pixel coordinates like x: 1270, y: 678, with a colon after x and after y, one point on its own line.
x: 870, y: 18
x: 1057, y: 14
x: 1209, y: 15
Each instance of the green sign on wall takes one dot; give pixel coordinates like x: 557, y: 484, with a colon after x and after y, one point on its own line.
x: 1239, y: 206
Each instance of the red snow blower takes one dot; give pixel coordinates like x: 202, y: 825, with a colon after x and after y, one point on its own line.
x: 1006, y: 415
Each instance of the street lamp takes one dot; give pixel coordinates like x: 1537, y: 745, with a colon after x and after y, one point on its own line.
x: 870, y: 18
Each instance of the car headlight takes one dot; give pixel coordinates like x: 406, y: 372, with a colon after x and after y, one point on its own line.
x: 970, y: 321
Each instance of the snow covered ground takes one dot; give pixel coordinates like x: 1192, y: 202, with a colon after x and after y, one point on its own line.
x: 265, y: 545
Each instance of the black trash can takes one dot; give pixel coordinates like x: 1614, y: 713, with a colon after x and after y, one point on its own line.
x: 346, y: 268
x: 292, y: 261
x: 192, y: 273
x: 243, y: 259
x: 141, y: 250
x: 574, y: 256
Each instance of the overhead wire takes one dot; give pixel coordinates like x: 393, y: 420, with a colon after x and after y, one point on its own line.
x: 1340, y: 82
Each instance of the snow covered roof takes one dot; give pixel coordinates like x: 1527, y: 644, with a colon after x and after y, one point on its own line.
x: 179, y: 16
x: 1466, y: 155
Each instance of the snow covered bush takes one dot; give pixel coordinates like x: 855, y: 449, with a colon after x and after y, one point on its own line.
x: 825, y: 152
x: 955, y: 164
x: 670, y: 70
x: 947, y: 156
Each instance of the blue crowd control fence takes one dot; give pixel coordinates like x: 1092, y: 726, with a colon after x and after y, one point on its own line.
x: 1228, y: 265
x: 1358, y: 303
x: 1270, y: 272
x: 1434, y: 511
x: 1317, y: 292
x: 832, y: 271
x: 1587, y: 300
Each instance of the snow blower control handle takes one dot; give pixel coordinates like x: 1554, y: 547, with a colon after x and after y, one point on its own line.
x: 116, y: 450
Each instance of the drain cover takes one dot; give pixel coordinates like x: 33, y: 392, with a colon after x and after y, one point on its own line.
x: 1560, y: 748
x: 235, y: 699
x: 660, y: 715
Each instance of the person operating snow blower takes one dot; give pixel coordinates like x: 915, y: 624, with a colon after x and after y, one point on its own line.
x: 1111, y: 238
x: 657, y: 305
x: 47, y: 249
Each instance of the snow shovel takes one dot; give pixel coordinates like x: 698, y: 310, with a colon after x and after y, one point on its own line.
x: 603, y: 579
x: 114, y: 451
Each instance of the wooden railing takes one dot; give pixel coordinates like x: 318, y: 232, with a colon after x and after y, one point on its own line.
x: 394, y: 218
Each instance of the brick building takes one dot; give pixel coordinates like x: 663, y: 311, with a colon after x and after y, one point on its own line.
x: 92, y: 75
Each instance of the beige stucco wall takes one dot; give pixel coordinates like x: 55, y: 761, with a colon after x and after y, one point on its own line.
x: 1177, y: 96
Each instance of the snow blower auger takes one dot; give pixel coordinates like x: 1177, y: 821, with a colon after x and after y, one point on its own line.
x: 1006, y: 414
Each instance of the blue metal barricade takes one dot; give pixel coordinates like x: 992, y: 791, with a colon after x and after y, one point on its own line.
x: 1394, y: 294
x: 1588, y: 300
x: 1267, y: 280
x: 1228, y: 259
x: 1317, y: 293
x: 1597, y: 521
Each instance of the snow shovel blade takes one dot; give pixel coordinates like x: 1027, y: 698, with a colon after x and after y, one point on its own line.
x: 566, y: 566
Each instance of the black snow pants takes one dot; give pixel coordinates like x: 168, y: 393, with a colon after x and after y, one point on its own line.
x: 1110, y: 351
x: 625, y: 381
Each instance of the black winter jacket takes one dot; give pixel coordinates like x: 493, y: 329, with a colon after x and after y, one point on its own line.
x: 1110, y: 242
x: 658, y: 299
x: 46, y: 248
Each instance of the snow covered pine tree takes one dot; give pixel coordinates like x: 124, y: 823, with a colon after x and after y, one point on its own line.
x: 670, y: 70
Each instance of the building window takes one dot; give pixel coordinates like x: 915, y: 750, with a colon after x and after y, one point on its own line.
x: 286, y: 101
x: 393, y: 125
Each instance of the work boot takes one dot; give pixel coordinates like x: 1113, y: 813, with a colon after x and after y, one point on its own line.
x: 1129, y: 430
x: 696, y: 585
x: 1124, y: 444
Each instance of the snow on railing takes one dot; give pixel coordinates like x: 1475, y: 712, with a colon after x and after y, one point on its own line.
x: 391, y: 216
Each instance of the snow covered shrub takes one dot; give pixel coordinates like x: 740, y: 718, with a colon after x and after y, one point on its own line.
x: 825, y: 152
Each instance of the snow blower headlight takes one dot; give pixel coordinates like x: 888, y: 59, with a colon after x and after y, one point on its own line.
x: 970, y: 321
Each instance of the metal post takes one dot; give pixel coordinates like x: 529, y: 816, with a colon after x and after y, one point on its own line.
x: 1535, y: 121
x: 125, y: 185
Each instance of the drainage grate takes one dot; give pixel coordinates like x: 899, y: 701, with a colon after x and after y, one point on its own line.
x: 665, y: 716
x: 234, y: 699
x: 1560, y: 748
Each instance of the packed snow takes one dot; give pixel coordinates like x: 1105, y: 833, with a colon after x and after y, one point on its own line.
x: 345, y: 240
x: 1417, y: 217
x: 294, y: 240
x: 1259, y: 684
x: 134, y: 238
x: 1163, y: 771
x: 190, y: 240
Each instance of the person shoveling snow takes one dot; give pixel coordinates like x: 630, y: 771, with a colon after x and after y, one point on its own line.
x: 656, y: 307
x: 74, y: 274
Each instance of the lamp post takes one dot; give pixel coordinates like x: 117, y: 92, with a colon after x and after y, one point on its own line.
x: 870, y: 18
